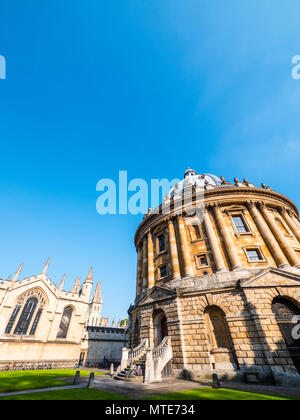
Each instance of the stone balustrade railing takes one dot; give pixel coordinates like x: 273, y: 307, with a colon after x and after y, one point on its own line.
x: 161, y: 349
x: 138, y: 351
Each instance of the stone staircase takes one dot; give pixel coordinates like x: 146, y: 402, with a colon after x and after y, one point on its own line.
x: 123, y: 375
x: 152, y: 361
x: 137, y: 355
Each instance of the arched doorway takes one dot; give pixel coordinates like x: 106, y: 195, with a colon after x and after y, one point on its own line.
x: 285, y: 311
x: 136, y: 333
x: 160, y: 327
x: 160, y: 324
x: 219, y: 338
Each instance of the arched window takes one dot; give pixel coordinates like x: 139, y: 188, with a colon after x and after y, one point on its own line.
x: 160, y: 327
x: 26, y: 316
x: 286, y: 312
x: 136, y: 333
x: 12, y: 319
x: 65, y: 323
x: 217, y: 328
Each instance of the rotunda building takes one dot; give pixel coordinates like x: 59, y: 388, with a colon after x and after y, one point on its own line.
x: 218, y: 273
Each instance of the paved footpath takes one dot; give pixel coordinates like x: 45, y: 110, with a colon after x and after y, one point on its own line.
x: 138, y: 391
x: 30, y: 391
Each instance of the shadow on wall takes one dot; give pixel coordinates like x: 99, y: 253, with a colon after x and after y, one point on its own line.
x: 277, y: 362
x: 103, y: 346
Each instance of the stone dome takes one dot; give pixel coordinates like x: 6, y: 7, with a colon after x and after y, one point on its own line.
x: 191, y: 177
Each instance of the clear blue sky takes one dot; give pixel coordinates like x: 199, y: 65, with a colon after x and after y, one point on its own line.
x: 151, y: 87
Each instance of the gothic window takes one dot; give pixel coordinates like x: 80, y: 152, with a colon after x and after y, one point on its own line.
x: 12, y: 319
x: 240, y: 224
x: 65, y: 323
x: 35, y: 322
x: 26, y: 317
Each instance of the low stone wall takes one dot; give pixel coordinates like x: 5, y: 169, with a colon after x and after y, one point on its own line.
x: 7, y: 365
x: 100, y: 342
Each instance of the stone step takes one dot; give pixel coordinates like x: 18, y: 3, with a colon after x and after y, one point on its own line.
x: 136, y: 379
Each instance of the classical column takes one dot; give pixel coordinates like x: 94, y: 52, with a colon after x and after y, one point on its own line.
x: 173, y: 250
x: 275, y: 249
x: 230, y: 247
x: 277, y: 232
x: 188, y: 269
x: 139, y: 271
x: 218, y: 257
x: 145, y: 264
x: 289, y: 219
x: 151, y: 281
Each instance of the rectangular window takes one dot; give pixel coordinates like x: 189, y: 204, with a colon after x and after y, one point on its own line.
x: 163, y: 271
x: 202, y: 260
x: 161, y: 243
x: 240, y: 224
x: 254, y: 255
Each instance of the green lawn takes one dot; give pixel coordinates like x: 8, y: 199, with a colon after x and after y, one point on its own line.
x: 22, y: 380
x: 93, y: 394
x: 215, y: 394
x: 68, y: 394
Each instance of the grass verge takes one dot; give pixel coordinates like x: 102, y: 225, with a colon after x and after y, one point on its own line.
x: 24, y: 380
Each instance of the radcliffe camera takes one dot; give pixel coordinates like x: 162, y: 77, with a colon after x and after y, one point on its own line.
x: 150, y: 224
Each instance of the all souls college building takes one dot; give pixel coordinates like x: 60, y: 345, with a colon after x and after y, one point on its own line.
x: 219, y: 293
x: 43, y: 325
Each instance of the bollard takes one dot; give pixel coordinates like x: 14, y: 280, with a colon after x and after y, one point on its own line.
x: 91, y: 383
x: 216, y: 383
x: 77, y: 378
x: 112, y: 369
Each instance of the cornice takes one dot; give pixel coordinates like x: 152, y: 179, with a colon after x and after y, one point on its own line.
x: 221, y: 196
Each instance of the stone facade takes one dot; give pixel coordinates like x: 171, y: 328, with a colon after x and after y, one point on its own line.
x: 41, y: 324
x: 103, y: 342
x: 226, y: 284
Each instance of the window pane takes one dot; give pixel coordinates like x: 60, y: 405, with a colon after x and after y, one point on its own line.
x: 254, y: 255
x: 161, y: 240
x: 12, y: 319
x: 26, y: 316
x: 35, y: 322
x: 65, y: 323
x: 239, y: 224
x: 163, y: 271
x: 202, y: 260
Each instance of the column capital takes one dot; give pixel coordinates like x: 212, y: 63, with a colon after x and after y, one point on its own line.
x: 251, y: 204
x: 215, y: 205
x: 261, y: 205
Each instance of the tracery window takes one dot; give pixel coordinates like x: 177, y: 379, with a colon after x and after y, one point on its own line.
x: 65, y: 323
x: 12, y: 319
x: 26, y: 316
x: 35, y: 322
